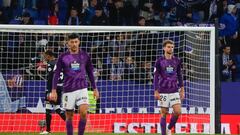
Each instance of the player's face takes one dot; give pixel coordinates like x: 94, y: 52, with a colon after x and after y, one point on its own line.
x: 98, y: 13
x: 169, y: 49
x: 234, y: 11
x: 46, y: 57
x: 227, y: 50
x: 73, y: 44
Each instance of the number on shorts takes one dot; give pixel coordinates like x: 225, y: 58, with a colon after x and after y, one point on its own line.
x: 163, y: 98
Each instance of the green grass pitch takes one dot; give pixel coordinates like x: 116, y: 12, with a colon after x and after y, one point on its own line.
x: 89, y: 134
x: 74, y: 134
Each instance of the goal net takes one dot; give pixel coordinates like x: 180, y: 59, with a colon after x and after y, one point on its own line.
x: 123, y: 58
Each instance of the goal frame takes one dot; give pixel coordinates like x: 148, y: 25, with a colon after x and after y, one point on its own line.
x: 211, y: 29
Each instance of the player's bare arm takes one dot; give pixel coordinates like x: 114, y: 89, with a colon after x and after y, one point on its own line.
x: 181, y: 92
x: 96, y: 93
x: 156, y: 95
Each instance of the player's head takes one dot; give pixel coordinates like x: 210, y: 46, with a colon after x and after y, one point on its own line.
x: 73, y: 42
x: 168, y: 47
x: 232, y: 9
x: 115, y: 58
x: 226, y: 49
x: 48, y: 55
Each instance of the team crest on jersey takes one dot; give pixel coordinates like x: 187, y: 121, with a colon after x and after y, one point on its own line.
x: 75, y: 66
x: 169, y: 69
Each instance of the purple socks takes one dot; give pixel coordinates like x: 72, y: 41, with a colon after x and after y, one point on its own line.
x: 172, y: 121
x: 69, y: 127
x: 163, y: 125
x: 81, y: 126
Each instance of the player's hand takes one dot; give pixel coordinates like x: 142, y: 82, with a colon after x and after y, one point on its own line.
x: 96, y: 94
x: 235, y: 36
x: 181, y: 92
x: 233, y: 67
x: 54, y: 95
x: 230, y: 62
x: 156, y: 95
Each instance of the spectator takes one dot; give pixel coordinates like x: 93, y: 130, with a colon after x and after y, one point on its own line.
x: 188, y: 17
x: 89, y: 12
x: 116, y: 68
x: 62, y: 11
x: 99, y: 18
x: 144, y: 73
x: 53, y: 18
x: 130, y: 13
x: 238, y: 12
x: 73, y: 18
x: 191, y: 17
x: 213, y: 10
x: 77, y: 4
x: 141, y: 21
x: 171, y: 17
x: 18, y: 57
x: 221, y: 7
x: 229, y: 20
x: 116, y: 12
x: 43, y: 9
x: 129, y: 68
x: 147, y: 9
x: 27, y: 19
x: 228, y: 67
x: 230, y: 28
x: 160, y: 19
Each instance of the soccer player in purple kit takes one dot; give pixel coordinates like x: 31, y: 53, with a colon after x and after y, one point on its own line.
x: 168, y: 85
x: 76, y: 65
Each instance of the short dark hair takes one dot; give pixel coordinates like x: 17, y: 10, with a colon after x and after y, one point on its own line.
x: 165, y: 42
x: 98, y: 7
x: 140, y: 18
x: 50, y: 53
x: 26, y: 14
x: 225, y: 46
x: 73, y: 36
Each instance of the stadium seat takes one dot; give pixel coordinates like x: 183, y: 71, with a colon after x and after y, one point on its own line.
x: 39, y: 22
x: 33, y: 13
x: 63, y: 6
x: 16, y: 12
x: 43, y: 14
x: 14, y: 21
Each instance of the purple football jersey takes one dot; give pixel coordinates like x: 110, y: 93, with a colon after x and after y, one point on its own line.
x: 75, y: 68
x: 168, y: 75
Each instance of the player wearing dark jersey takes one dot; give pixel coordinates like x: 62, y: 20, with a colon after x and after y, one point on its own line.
x: 50, y: 105
x: 76, y: 65
x: 167, y: 81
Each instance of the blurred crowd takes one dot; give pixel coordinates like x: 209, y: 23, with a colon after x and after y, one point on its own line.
x: 130, y: 13
x: 116, y: 56
x: 113, y: 12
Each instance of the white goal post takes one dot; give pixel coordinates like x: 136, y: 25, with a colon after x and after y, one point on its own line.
x: 126, y: 95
